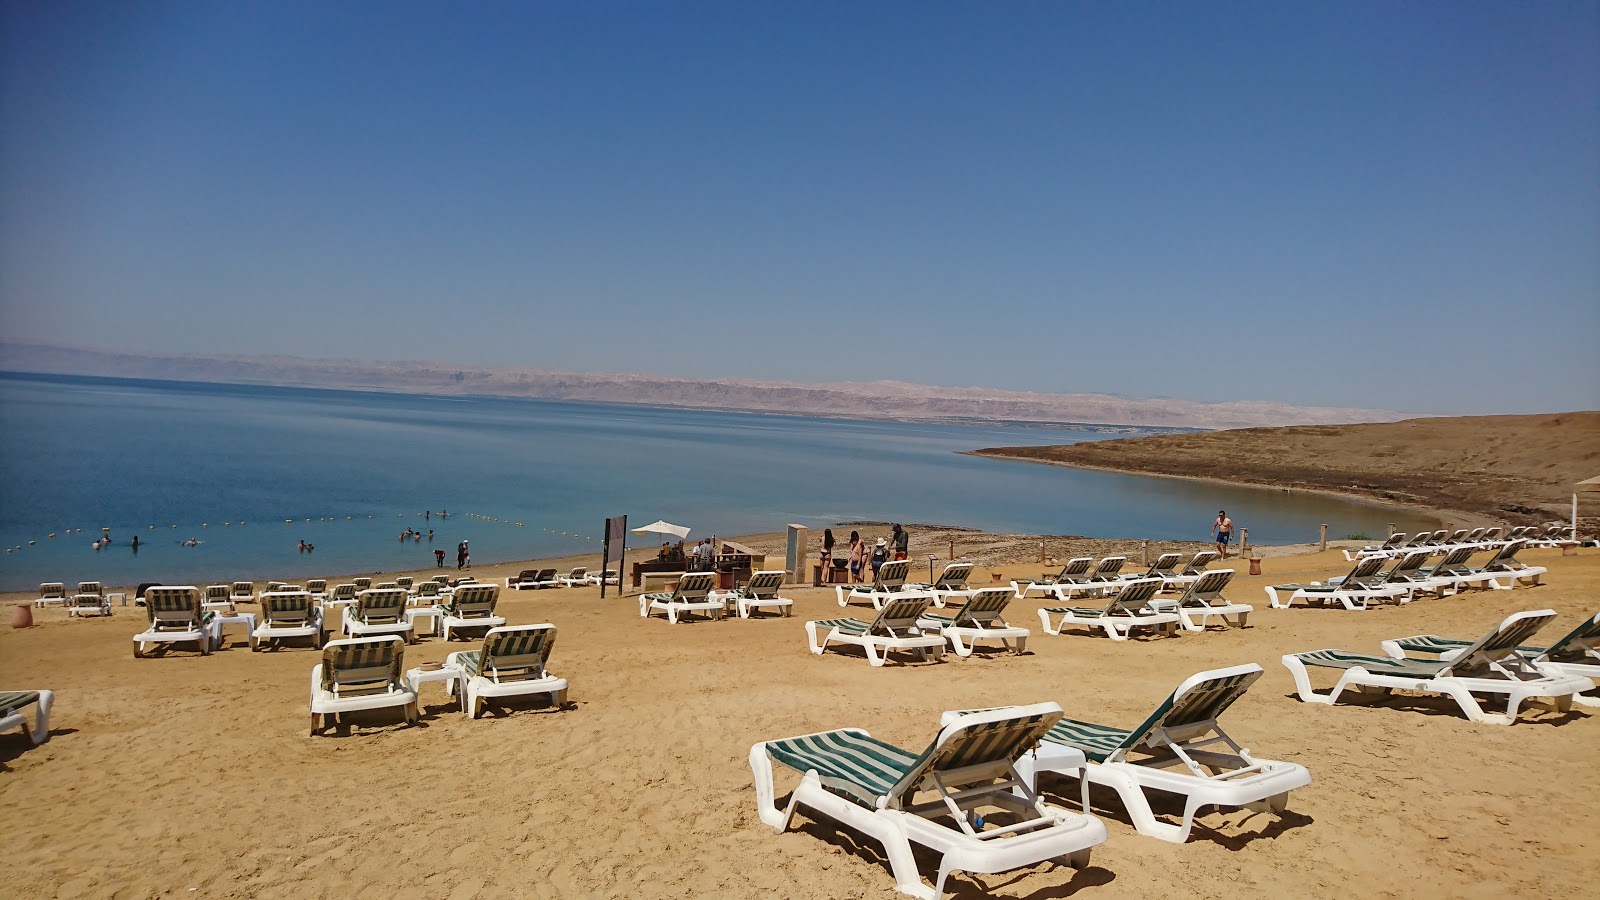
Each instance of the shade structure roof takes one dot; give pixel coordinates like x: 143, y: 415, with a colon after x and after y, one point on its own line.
x: 661, y: 527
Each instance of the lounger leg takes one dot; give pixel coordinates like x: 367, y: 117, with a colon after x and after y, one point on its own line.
x: 811, y: 637
x: 1044, y: 617
x: 766, y: 808
x: 962, y: 648
x: 874, y: 658
x: 1473, y: 710
x: 1021, y: 646
x: 838, y: 591
x: 1138, y: 807
x: 41, y: 717
x: 1302, y: 682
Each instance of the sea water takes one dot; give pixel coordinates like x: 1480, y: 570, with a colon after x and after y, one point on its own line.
x: 249, y: 472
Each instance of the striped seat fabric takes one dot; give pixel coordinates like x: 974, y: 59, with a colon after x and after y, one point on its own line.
x: 286, y: 607
x: 1125, y: 602
x: 317, y: 585
x: 376, y: 606
x: 174, y: 608
x: 762, y: 585
x: 848, y: 626
x: 515, y: 654
x: 473, y: 601
x: 954, y: 577
x: 692, y: 586
x: 51, y: 590
x: 91, y: 587
x: 404, y: 581
x: 219, y: 593
x: 1339, y: 659
x: 343, y: 592
x: 981, y: 609
x: 11, y: 701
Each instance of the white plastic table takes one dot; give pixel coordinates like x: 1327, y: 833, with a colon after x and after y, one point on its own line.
x: 417, y: 677
x: 436, y: 613
x: 248, y: 620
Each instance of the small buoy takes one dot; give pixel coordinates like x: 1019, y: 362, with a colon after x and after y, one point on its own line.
x: 30, y: 543
x: 52, y: 534
x: 204, y: 525
x: 172, y: 526
x: 285, y: 521
x: 105, y: 529
x: 152, y: 528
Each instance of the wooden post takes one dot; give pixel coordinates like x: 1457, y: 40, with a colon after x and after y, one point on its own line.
x: 952, y: 549
x: 1144, y: 553
x: 1041, y: 551
x: 1244, y: 542
x: 1391, y: 529
x: 1324, y: 538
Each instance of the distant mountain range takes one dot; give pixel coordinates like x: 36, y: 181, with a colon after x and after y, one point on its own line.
x: 867, y: 400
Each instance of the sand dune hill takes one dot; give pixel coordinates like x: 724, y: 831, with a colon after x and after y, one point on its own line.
x: 1513, y: 468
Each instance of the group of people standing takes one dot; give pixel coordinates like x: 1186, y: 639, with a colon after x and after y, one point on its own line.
x: 860, y: 556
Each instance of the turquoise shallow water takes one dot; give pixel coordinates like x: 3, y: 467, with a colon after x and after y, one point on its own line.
x: 228, y: 464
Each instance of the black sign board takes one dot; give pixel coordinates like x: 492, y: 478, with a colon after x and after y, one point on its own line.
x: 616, y: 530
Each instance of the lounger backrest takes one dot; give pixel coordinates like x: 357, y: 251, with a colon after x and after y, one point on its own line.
x: 405, y: 581
x: 546, y: 574
x: 286, y: 607
x: 343, y: 592
x: 1457, y: 536
x: 1207, y: 588
x: 1109, y: 567
x: 1578, y: 642
x: 380, y: 605
x: 474, y: 601
x: 1076, y: 567
x: 892, y: 575
x: 362, y: 665
x: 243, y: 589
x: 386, y: 585
x: 317, y: 585
x: 1506, y: 557
x: 1456, y: 558
x: 579, y: 572
x: 986, y: 744
x: 1165, y: 564
x: 172, y: 606
x: 445, y: 579
x: 1395, y: 540
x: 274, y: 586
x: 88, y: 601
x: 694, y: 585
x: 1409, y: 564
x: 363, y: 582
x: 1492, y: 534
x: 764, y: 584
x: 1198, y: 701
x: 1419, y: 540
x: 523, y: 647
x: 897, y: 615
x: 1198, y: 564
x: 1133, y: 595
x: 90, y: 587
x: 983, y: 607
x: 954, y: 577
x: 218, y: 593
x: 1366, y: 568
x: 52, y: 589
x: 1517, y: 629
x: 1475, y: 534
x: 428, y: 589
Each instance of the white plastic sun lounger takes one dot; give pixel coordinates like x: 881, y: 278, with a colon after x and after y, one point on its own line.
x: 1410, y: 573
x: 690, y: 595
x: 1363, y: 585
x: 176, y: 617
x: 317, y: 588
x: 288, y: 614
x: 379, y: 611
x: 578, y: 577
x: 1192, y: 570
x: 979, y: 619
x: 1123, y: 612
x: 1505, y: 567
x: 872, y: 787
x: 89, y: 605
x: 1576, y: 654
x: 1076, y: 571
x: 889, y: 584
x: 609, y: 576
x: 471, y: 606
x: 1203, y: 600
x: 357, y: 674
x: 511, y: 663
x: 1174, y: 751
x: 895, y: 628
x: 1491, y: 665
x: 219, y: 597
x: 1165, y: 566
x: 761, y: 592
x: 242, y: 592
x: 51, y: 593
x: 951, y: 584
x: 1395, y: 542
x: 12, y: 703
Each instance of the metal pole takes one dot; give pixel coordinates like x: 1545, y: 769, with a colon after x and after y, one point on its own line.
x: 1574, y: 516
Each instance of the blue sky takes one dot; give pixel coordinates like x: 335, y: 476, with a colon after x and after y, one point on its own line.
x: 1391, y: 205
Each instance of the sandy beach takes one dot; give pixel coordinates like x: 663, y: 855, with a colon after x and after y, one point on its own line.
x: 195, y: 776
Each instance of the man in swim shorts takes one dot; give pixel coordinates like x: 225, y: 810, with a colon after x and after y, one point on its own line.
x: 1222, y: 529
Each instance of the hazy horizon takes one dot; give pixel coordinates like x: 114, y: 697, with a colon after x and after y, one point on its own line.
x: 1379, y: 206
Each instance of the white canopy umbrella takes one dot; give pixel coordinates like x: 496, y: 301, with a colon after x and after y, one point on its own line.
x: 1585, y: 486
x: 660, y: 527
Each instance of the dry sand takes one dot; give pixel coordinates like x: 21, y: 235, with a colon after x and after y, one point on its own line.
x: 1474, y: 469
x: 194, y: 776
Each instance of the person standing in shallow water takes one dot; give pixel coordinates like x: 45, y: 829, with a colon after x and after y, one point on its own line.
x: 461, y: 555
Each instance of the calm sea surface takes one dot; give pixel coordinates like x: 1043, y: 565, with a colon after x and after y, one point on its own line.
x: 229, y: 464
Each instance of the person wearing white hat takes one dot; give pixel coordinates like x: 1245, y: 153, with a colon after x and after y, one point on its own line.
x: 880, y: 555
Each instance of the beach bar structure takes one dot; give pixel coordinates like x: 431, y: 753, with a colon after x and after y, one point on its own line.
x: 1586, y: 486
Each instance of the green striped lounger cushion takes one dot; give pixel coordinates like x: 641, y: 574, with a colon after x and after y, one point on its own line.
x: 11, y: 701
x: 1339, y: 659
x: 859, y: 767
x: 469, y: 660
x: 944, y: 621
x: 1096, y: 741
x: 1077, y: 611
x: 848, y: 626
x: 1432, y: 643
